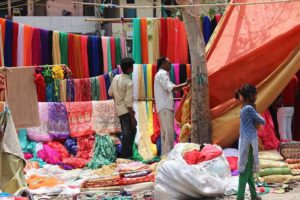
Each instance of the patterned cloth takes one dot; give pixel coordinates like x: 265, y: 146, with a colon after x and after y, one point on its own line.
x: 80, y: 118
x: 147, y: 178
x: 248, y: 136
x: 104, y: 117
x: 58, y: 121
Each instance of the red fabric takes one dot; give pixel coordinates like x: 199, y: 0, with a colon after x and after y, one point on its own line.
x: 77, y: 90
x: 15, y: 43
x: 80, y: 118
x: 40, y: 87
x: 267, y: 133
x: 28, y: 33
x: 78, y: 71
x: 71, y: 54
x: 171, y: 40
x: 289, y: 93
x: 85, y: 61
x: 182, y: 48
x: 129, y: 181
x: 85, y: 147
x: 233, y: 162
x: 75, y: 162
x: 36, y: 47
x: 113, y: 52
x: 102, y: 87
x: 59, y: 148
x: 28, y: 156
x: 144, y: 40
x: 218, y: 17
x: 156, y: 126
x: 163, y: 37
x: 208, y: 152
x: 86, y: 89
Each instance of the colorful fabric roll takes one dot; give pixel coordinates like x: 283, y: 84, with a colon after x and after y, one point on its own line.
x: 136, y: 41
x: 36, y: 47
x: 8, y: 43
x: 144, y: 40
x: 56, y: 48
x: 101, y: 57
x: 105, y: 52
x: 15, y: 44
x: 90, y: 55
x: 27, y: 40
x: 63, y: 46
x: 44, y: 45
x: 85, y: 61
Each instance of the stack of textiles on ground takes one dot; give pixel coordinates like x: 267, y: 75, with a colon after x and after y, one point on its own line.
x: 123, y: 175
x: 87, y: 56
x: 273, y: 169
x: 290, y: 152
x: 73, y: 135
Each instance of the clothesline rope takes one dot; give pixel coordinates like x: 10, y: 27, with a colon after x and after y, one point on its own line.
x: 184, y: 6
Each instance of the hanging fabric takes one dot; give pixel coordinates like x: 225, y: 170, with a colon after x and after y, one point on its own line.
x: 101, y: 56
x: 50, y: 42
x: 118, y: 51
x: 44, y: 45
x: 85, y: 62
x: 136, y: 41
x: 144, y: 66
x: 107, y: 85
x: 154, y: 71
x: 63, y: 46
x: 86, y: 89
x: 150, y: 128
x: 150, y: 35
x: 135, y: 79
x: 171, y: 39
x: 71, y: 53
x: 177, y: 78
x: 206, y: 28
x: 172, y: 74
x: 102, y: 84
x: 176, y: 55
x: 182, y: 47
x: 36, y: 47
x: 144, y: 40
x: 113, y: 52
x: 63, y: 90
x: 70, y: 90
x: 95, y: 89
x: 149, y: 82
x: 15, y: 44
x: 218, y: 17
x: 105, y: 53
x: 163, y: 37
x: 77, y: 90
x: 188, y: 71
x: 93, y: 49
x: 58, y: 126
x: 109, y: 56
x: 8, y: 43
x: 182, y: 73
x: 141, y: 83
x: 28, y: 32
x: 2, y: 23
x: 56, y: 48
x: 78, y: 57
x: 123, y: 44
x: 155, y: 39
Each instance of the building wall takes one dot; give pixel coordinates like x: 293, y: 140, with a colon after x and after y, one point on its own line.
x: 142, y: 12
x: 73, y: 24
x: 56, y: 7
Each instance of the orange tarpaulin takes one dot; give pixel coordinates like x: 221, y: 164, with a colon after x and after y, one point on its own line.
x: 251, y: 41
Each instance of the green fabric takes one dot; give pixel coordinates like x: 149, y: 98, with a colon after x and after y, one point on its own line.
x: 136, y: 40
x: 172, y: 74
x: 12, y: 178
x: 56, y: 90
x: 118, y: 51
x: 274, y: 171
x: 104, y: 152
x: 109, y: 55
x: 247, y: 177
x: 63, y: 45
x: 137, y: 157
x: 95, y: 89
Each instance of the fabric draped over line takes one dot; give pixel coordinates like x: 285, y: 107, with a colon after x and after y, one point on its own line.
x: 136, y: 42
x: 144, y: 40
x: 15, y: 44
x: 63, y: 46
x: 36, y: 47
x: 56, y: 48
x: 8, y: 43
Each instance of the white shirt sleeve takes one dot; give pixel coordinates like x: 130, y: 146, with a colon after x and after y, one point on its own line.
x: 165, y: 82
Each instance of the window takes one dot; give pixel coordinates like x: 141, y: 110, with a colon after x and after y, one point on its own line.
x: 129, y: 13
x: 130, y: 1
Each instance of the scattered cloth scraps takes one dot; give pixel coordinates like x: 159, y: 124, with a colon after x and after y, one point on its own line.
x: 49, y: 155
x: 75, y: 162
x: 59, y: 148
x: 36, y: 181
x: 71, y: 146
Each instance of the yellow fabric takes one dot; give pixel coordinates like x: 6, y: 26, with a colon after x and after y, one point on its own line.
x: 185, y: 132
x: 185, y: 128
x: 149, y: 82
x: 155, y: 39
x: 150, y: 125
x: 63, y: 90
x: 226, y: 127
x: 150, y: 40
x: 12, y: 178
x: 141, y: 83
x: 56, y: 48
x: 144, y: 146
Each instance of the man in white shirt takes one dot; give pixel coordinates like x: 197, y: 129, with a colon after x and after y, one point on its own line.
x: 121, y: 90
x: 163, y: 93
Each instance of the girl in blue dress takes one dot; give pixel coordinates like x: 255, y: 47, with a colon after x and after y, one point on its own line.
x: 250, y: 120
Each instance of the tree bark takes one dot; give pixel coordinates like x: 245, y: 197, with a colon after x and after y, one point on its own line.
x: 201, y: 127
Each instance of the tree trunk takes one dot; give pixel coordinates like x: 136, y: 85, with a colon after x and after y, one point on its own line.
x: 201, y: 129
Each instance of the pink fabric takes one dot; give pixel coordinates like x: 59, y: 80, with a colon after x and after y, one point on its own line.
x: 84, y: 43
x: 176, y: 125
x: 267, y: 133
x: 49, y: 155
x: 104, y: 50
x: 28, y: 156
x: 123, y: 44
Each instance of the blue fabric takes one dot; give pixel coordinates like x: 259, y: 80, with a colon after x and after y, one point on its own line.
x: 107, y: 84
x: 45, y: 47
x: 158, y: 145
x: 95, y: 71
x: 248, y: 136
x: 50, y: 92
x: 206, y: 28
x: 71, y: 146
x: 8, y: 43
x: 70, y: 90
